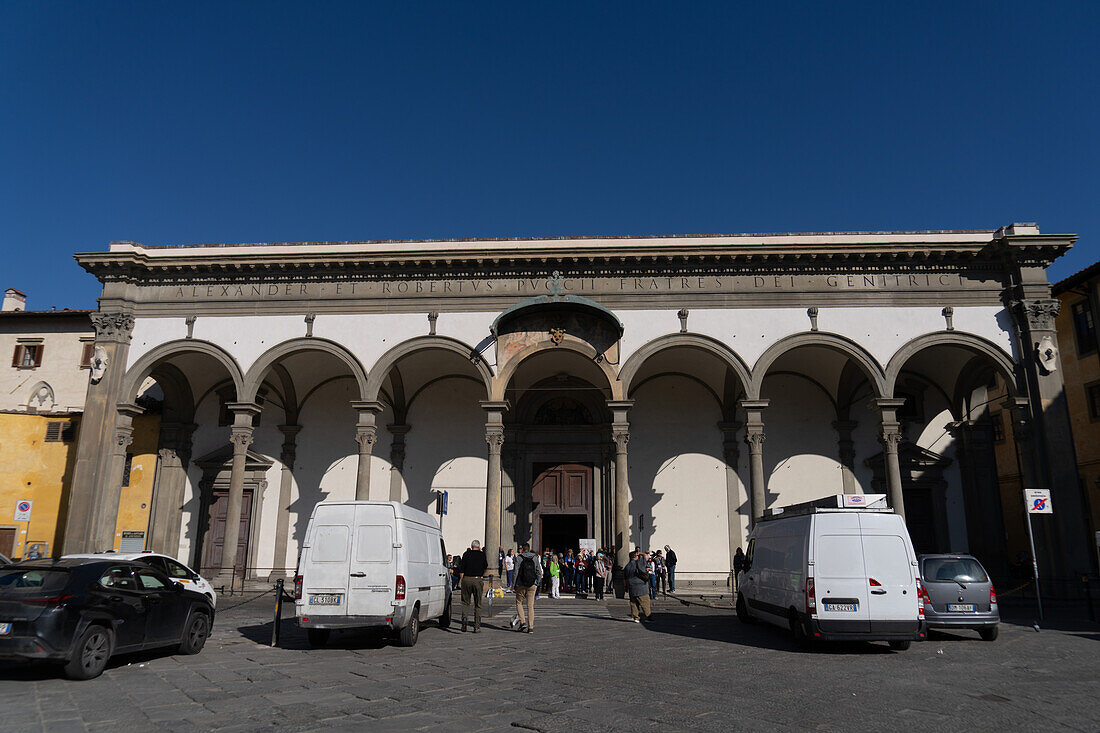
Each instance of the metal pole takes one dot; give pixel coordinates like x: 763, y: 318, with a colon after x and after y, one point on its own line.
x: 1034, y: 563
x: 278, y: 612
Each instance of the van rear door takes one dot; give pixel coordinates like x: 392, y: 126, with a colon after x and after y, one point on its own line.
x: 891, y: 577
x: 840, y: 577
x: 325, y: 561
x: 373, y: 576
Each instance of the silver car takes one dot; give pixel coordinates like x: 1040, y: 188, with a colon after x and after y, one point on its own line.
x: 959, y: 595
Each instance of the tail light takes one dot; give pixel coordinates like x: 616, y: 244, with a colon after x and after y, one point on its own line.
x: 874, y: 583
x: 922, y: 599
x: 297, y: 587
x: 811, y: 596
x: 992, y: 596
x: 54, y: 601
x: 399, y: 591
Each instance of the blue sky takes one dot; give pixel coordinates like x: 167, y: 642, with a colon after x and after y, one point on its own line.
x: 172, y: 123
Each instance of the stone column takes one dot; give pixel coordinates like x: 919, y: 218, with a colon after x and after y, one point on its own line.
x: 173, y: 457
x: 92, y: 474
x: 287, y: 456
x: 494, y: 438
x: 731, y: 453
x: 620, y: 434
x: 241, y: 438
x: 890, y: 438
x: 366, y: 432
x: 754, y: 437
x: 105, y: 514
x: 397, y: 458
x: 846, y: 448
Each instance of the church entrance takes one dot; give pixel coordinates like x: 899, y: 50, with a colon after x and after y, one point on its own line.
x: 562, y: 505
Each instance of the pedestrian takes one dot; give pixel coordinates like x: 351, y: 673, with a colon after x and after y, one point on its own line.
x: 581, y: 575
x: 510, y: 568
x: 500, y: 562
x: 637, y: 586
x: 670, y: 563
x: 473, y: 567
x: 454, y: 563
x: 651, y: 568
x: 599, y: 575
x: 555, y: 577
x: 738, y: 565
x: 568, y: 573
x: 662, y: 574
x: 546, y: 570
x: 528, y: 578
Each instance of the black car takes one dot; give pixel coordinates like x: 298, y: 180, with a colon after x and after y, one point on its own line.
x: 81, y: 612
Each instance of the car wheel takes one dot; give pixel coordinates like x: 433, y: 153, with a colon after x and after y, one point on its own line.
x: 195, y: 633
x: 318, y: 637
x: 743, y: 611
x: 408, y: 635
x: 445, y: 619
x: 799, y: 630
x: 899, y: 645
x: 989, y: 633
x: 90, y: 653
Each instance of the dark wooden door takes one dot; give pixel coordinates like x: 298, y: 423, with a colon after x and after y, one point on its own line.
x: 215, y: 537
x: 564, y: 488
x: 7, y: 540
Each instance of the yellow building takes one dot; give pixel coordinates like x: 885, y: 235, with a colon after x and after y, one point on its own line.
x: 136, y: 497
x: 36, y: 461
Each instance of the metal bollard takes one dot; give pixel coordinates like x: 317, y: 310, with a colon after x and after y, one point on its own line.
x: 278, y: 612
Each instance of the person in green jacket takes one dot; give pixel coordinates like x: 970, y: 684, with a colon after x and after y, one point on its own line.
x: 555, y: 576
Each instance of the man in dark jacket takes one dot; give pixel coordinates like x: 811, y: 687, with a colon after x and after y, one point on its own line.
x: 637, y: 586
x: 474, y: 565
x: 670, y: 563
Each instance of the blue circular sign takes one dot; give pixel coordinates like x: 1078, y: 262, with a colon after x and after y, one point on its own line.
x: 24, y: 506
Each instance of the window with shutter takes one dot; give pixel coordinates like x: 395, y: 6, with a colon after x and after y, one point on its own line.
x: 68, y: 432
x: 27, y: 356
x: 53, y: 431
x: 17, y: 356
x: 126, y: 468
x: 86, y: 354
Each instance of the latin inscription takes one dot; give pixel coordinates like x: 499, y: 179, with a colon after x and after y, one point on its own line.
x: 585, y: 286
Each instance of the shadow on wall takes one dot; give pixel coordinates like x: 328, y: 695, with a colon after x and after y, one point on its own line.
x: 672, y: 422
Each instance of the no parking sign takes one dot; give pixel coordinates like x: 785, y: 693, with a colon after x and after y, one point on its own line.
x: 23, y: 510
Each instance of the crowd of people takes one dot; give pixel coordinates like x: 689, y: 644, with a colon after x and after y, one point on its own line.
x: 528, y: 574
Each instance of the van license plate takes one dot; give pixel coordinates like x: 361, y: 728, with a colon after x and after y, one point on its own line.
x: 960, y: 606
x: 5, y: 629
x: 325, y: 599
x: 840, y: 607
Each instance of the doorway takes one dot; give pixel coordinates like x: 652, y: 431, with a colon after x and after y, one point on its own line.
x: 561, y: 532
x: 215, y: 539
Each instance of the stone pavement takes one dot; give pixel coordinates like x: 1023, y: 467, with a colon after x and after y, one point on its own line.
x: 586, y: 668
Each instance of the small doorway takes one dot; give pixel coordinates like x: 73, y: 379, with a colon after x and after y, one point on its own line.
x: 561, y: 532
x: 7, y: 540
x: 215, y: 539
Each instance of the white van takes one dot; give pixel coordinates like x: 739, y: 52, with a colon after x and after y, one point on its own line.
x: 837, y: 568
x: 371, y: 564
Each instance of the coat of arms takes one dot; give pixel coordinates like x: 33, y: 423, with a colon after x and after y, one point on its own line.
x: 557, y: 334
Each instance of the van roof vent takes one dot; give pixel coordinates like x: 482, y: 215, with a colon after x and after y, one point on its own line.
x: 832, y: 503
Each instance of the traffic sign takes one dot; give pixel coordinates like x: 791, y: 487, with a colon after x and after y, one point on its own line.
x: 23, y: 510
x: 1038, y: 501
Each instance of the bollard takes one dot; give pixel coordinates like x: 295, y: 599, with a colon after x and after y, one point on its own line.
x: 278, y: 612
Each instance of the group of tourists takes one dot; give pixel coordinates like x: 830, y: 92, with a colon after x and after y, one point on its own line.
x: 527, y: 574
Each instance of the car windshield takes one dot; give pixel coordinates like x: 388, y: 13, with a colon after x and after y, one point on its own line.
x: 954, y: 570
x: 32, y: 582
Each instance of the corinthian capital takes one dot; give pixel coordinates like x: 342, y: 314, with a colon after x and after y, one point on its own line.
x: 113, y: 326
x: 1038, y: 314
x: 241, y: 438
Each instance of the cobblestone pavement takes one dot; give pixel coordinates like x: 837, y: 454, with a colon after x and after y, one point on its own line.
x: 586, y: 668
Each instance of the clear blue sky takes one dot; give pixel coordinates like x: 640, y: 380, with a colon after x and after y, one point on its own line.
x: 172, y: 123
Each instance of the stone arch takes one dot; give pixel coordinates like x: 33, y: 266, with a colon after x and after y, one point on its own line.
x: 504, y: 376
x: 867, y: 363
x: 976, y: 344
x: 692, y: 340
x: 258, y: 371
x: 43, y: 394
x: 145, y: 366
x: 386, y: 362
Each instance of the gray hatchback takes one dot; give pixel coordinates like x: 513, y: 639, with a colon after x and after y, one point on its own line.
x: 960, y: 594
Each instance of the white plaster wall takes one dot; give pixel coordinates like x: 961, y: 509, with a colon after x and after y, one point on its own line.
x: 801, y: 456
x: 150, y: 333
x: 445, y: 450
x: 678, y: 476
x: 62, y: 349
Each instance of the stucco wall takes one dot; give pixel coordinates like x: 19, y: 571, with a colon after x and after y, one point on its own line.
x: 136, y: 498
x: 61, y: 338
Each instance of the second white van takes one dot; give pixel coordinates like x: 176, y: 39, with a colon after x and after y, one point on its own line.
x: 371, y: 564
x: 829, y: 570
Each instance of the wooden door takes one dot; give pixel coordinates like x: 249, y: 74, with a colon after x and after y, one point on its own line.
x: 562, y: 489
x: 7, y: 540
x: 215, y: 536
